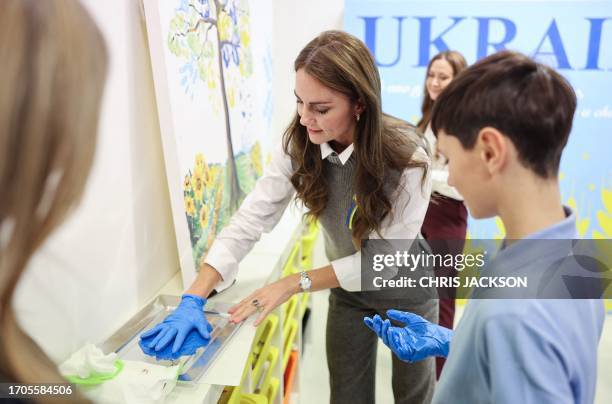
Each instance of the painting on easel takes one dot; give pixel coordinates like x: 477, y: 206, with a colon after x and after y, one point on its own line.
x: 212, y: 68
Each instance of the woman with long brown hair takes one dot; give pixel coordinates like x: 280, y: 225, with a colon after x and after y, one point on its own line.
x: 445, y: 224
x: 441, y: 70
x: 362, y: 175
x: 53, y: 64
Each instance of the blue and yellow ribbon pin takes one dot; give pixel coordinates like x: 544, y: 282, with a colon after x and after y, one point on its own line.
x: 351, y: 213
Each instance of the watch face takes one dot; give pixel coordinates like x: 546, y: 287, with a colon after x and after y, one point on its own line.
x: 305, y: 283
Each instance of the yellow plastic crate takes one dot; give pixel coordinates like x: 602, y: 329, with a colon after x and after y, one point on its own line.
x: 264, y: 333
x: 288, y: 312
x: 272, y: 359
x: 312, y: 226
x: 307, y: 243
x: 272, y: 389
x: 253, y: 399
x: 290, y: 265
x: 261, y: 355
x: 289, y: 337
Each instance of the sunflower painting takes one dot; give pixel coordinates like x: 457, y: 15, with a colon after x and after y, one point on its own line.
x: 207, y: 206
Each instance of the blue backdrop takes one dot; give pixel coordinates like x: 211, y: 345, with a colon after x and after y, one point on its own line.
x: 575, y: 37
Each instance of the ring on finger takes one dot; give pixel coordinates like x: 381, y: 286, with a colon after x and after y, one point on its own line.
x: 257, y: 304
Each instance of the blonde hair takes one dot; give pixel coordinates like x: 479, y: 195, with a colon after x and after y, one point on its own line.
x: 53, y: 60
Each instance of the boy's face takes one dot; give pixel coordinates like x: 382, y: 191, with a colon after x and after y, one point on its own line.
x: 468, y: 173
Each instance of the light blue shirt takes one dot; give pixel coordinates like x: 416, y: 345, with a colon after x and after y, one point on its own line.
x: 524, y: 350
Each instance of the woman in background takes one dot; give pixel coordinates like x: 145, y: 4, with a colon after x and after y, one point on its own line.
x: 53, y: 62
x: 445, y: 222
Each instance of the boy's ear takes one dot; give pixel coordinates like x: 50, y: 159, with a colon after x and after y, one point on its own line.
x: 493, y: 149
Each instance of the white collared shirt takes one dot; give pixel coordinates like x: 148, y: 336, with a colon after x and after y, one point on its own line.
x: 264, y: 206
x: 326, y: 150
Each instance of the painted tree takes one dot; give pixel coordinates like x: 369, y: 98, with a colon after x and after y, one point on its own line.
x: 212, y: 37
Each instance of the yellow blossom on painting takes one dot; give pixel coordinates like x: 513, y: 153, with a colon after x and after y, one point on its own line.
x: 208, y: 178
x: 256, y: 158
x: 198, y: 186
x: 211, y: 81
x: 187, y: 183
x: 189, y: 206
x: 215, y: 173
x: 224, y: 25
x: 245, y: 39
x: 200, y: 164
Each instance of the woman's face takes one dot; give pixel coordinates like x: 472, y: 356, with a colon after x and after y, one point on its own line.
x: 328, y: 115
x: 439, y: 76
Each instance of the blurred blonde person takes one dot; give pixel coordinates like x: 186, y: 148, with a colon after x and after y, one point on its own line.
x: 53, y: 61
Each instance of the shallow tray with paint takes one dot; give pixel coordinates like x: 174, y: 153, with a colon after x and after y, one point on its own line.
x: 125, y: 341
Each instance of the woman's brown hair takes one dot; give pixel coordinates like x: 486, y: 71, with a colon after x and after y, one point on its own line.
x: 384, y: 146
x: 458, y: 64
x: 53, y: 60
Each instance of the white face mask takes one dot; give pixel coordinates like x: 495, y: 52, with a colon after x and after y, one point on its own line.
x: 48, y: 196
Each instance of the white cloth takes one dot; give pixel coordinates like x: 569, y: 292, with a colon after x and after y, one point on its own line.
x: 439, y: 170
x: 138, y: 383
x: 264, y: 206
x: 88, y: 360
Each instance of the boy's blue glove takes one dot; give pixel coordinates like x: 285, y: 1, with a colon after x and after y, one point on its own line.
x: 188, y: 315
x: 417, y: 340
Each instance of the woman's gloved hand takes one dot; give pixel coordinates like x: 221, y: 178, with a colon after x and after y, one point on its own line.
x: 187, y: 316
x: 416, y: 340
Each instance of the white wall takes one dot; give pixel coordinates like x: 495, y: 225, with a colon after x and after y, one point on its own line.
x: 295, y: 24
x: 118, y: 249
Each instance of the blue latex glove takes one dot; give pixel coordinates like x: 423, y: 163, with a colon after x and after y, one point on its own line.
x: 417, y: 340
x: 188, y: 315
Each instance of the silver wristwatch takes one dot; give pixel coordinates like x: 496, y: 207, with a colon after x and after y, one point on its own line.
x: 305, y: 281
